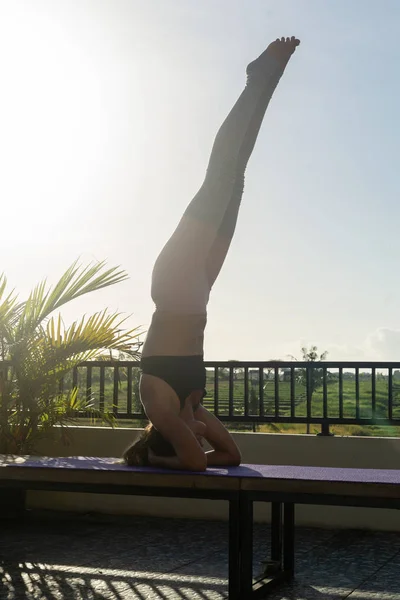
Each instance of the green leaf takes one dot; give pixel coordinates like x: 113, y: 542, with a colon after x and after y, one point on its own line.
x: 42, y: 353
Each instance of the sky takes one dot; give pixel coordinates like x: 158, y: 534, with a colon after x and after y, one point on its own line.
x: 108, y: 111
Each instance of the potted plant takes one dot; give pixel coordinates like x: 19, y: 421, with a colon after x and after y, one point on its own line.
x: 37, y: 350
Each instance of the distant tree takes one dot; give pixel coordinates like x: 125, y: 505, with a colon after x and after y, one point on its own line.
x: 311, y: 354
x: 313, y: 378
x: 348, y: 376
x: 223, y: 374
x: 253, y: 400
x: 237, y: 371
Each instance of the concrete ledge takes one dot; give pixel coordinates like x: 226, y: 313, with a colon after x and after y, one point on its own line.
x: 258, y: 448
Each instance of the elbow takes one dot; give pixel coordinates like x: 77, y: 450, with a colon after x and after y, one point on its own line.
x: 195, y: 463
x: 235, y: 458
x: 199, y: 465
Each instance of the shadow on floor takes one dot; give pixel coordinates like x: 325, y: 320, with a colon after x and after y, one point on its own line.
x: 64, y: 557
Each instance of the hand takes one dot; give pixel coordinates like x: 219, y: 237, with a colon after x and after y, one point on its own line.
x: 152, y: 457
x: 199, y: 430
x: 225, y: 451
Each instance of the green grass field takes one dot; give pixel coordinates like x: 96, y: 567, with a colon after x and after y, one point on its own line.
x: 349, y: 403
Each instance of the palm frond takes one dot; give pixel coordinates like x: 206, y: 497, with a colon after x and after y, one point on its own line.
x: 31, y: 311
x: 78, y: 281
x: 10, y: 311
x: 55, y: 350
x: 97, y: 332
x: 8, y: 304
x: 75, y: 282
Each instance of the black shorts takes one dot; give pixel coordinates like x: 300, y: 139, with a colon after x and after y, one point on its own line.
x: 184, y: 374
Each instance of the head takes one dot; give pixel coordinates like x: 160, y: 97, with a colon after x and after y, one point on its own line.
x: 137, y: 453
x: 150, y: 438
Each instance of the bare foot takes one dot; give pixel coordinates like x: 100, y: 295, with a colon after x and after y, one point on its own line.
x: 282, y: 49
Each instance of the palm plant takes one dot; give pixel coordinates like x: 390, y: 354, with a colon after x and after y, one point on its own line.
x: 37, y: 351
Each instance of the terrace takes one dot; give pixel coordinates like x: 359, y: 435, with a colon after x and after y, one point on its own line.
x: 64, y: 558
x: 178, y: 549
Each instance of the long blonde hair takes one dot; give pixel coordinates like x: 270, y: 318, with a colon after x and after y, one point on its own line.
x: 137, y: 454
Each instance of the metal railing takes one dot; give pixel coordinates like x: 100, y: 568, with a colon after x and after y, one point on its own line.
x: 313, y: 393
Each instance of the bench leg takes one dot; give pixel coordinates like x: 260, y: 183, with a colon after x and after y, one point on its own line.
x: 246, y: 546
x: 273, y: 564
x: 281, y: 566
x: 276, y: 532
x: 12, y: 503
x: 234, y: 550
x: 288, y: 539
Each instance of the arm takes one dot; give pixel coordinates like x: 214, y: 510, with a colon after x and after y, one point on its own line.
x: 190, y: 456
x: 225, y: 450
x: 166, y: 462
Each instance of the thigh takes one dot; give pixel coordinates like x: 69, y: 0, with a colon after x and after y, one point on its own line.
x: 216, y: 258
x: 179, y: 279
x: 220, y: 246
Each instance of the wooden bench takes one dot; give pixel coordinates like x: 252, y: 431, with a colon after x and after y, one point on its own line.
x: 282, y: 486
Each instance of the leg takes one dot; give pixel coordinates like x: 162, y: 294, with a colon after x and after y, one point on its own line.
x: 279, y: 51
x: 219, y: 249
x: 196, y: 251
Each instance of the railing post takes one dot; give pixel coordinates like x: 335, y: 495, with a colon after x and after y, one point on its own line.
x: 308, y: 394
x: 325, y: 431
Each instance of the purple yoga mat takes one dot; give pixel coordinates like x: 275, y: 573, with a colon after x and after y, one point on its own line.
x: 102, y: 464
x: 299, y: 473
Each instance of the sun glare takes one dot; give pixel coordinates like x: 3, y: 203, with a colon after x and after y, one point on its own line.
x: 51, y: 107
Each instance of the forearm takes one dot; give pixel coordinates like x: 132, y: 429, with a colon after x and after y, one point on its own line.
x: 218, y: 458
x: 175, y: 463
x: 215, y: 458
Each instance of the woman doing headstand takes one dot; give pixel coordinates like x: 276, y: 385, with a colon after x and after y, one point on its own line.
x: 173, y: 377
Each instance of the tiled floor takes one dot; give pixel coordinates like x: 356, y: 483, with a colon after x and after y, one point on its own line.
x: 85, y: 558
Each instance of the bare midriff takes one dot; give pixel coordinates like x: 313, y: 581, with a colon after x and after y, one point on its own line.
x: 175, y: 335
